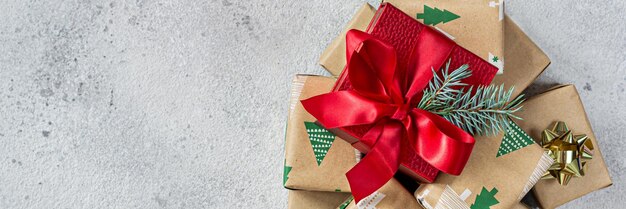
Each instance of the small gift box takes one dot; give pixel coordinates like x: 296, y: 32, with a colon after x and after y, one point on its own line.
x: 315, y: 159
x: 391, y: 196
x: 299, y: 199
x: 500, y: 171
x: 525, y: 60
x: 500, y: 176
x: 476, y: 25
x: 588, y: 173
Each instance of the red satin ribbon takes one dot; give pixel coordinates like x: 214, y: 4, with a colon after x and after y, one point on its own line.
x: 386, y: 96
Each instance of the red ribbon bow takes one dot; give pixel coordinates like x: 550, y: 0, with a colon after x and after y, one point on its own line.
x: 388, y: 97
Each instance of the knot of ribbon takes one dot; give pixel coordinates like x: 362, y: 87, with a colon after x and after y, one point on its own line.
x: 386, y: 96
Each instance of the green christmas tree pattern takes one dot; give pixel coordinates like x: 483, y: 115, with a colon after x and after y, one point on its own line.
x: 485, y: 199
x: 321, y: 140
x: 434, y: 16
x: 514, y: 139
x: 286, y: 174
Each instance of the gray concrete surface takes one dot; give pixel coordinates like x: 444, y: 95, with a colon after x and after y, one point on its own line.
x: 182, y: 104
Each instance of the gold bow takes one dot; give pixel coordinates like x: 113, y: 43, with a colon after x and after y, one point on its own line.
x: 569, y: 152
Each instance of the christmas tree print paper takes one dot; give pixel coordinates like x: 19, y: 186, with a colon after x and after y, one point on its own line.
x: 476, y: 25
x: 286, y: 174
x: 485, y: 199
x: 287, y: 169
x: 514, y: 139
x: 496, y: 61
x: 304, y: 168
x: 434, y: 16
x: 321, y: 140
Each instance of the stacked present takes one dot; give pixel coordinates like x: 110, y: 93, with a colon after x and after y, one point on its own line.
x: 422, y: 112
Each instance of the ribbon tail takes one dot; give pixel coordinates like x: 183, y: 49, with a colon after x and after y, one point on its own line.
x: 380, y: 164
x: 440, y: 143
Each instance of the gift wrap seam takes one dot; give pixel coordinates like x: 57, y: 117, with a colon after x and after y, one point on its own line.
x: 448, y: 199
x: 357, y: 155
x: 371, y: 201
x: 296, y: 89
x: 544, y: 163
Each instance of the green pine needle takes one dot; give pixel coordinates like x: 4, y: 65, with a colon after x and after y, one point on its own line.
x: 486, y: 111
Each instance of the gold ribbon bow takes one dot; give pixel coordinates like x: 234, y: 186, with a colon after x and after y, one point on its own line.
x: 569, y: 152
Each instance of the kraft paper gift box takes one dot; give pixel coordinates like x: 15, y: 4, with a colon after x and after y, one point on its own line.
x: 477, y: 25
x: 540, y: 112
x: 563, y: 103
x: 299, y: 199
x: 315, y: 159
x: 500, y: 171
x: 525, y: 60
x: 391, y: 196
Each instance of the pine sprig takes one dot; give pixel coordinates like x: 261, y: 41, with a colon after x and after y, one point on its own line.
x: 443, y: 89
x: 488, y: 111
x: 485, y: 111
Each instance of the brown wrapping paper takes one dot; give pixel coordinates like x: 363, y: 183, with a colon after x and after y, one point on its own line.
x: 315, y: 200
x: 519, y: 205
x: 391, y: 196
x: 562, y: 103
x: 488, y: 176
x: 525, y: 61
x: 302, y: 170
x: 476, y: 25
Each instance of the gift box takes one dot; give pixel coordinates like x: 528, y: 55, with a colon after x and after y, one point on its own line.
x: 500, y: 171
x: 476, y: 25
x: 299, y: 199
x: 315, y: 159
x: 562, y: 103
x: 540, y: 112
x: 391, y: 196
x: 525, y: 60
x: 417, y: 49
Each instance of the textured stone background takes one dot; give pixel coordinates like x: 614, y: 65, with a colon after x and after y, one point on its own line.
x: 182, y: 104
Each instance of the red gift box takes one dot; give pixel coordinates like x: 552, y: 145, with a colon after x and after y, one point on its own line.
x: 403, y: 33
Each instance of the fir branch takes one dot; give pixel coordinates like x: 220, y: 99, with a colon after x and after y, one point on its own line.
x: 486, y: 110
x: 442, y: 89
